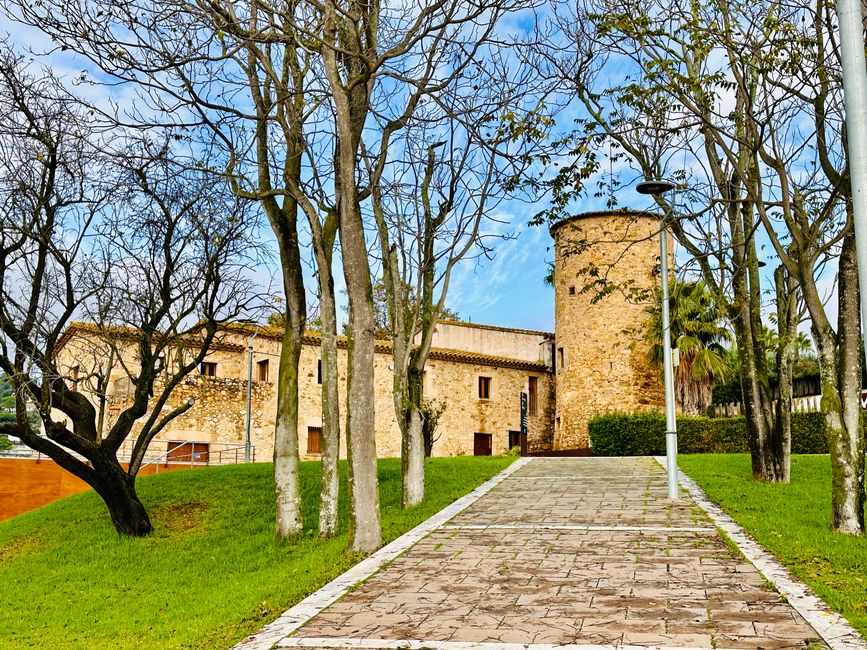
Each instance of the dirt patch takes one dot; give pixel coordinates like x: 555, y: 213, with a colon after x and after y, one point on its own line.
x: 18, y: 546
x: 179, y: 516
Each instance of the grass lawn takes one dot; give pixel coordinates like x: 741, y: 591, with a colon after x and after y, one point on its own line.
x: 792, y: 522
x: 210, y: 572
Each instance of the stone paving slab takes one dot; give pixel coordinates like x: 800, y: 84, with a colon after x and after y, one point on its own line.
x: 566, y: 553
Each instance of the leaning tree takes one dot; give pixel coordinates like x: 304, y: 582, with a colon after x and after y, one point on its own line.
x: 102, y: 227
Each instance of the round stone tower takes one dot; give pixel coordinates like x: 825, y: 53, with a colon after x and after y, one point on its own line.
x: 604, y: 279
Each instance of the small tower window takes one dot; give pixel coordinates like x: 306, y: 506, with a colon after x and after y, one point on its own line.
x: 571, y: 291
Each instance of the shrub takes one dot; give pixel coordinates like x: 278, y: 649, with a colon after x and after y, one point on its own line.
x: 643, y: 434
x: 808, y: 433
x: 4, y: 443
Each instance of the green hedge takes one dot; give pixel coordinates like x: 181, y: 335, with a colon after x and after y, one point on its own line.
x: 643, y: 434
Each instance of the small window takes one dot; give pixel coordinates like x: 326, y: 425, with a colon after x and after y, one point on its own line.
x: 484, y: 388
x: 533, y: 396
x: 561, y: 359
x: 314, y: 440
x: 208, y: 369
x: 74, y: 377
x: 262, y: 370
x: 319, y: 371
x: 571, y: 291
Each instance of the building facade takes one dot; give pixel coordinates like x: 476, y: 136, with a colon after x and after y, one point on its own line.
x: 594, y: 362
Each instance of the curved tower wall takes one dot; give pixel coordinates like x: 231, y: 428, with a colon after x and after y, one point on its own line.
x: 600, y: 365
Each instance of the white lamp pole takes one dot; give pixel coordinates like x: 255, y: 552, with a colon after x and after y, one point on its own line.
x: 655, y: 188
x: 851, y: 28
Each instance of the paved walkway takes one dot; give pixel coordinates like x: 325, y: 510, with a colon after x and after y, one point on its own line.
x: 566, y: 551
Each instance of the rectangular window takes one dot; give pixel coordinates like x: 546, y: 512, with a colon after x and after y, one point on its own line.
x: 533, y: 396
x: 482, y: 444
x: 319, y: 371
x: 262, y: 370
x: 74, y: 377
x: 561, y: 359
x: 484, y: 388
x: 208, y: 369
x: 314, y: 440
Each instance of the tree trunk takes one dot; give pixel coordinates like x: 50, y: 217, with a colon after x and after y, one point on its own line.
x: 755, y: 390
x: 117, y: 489
x: 288, y: 487
x: 413, y: 443
x: 840, y: 370
x: 330, y: 397
x: 351, y: 106
x: 286, y: 478
x: 787, y: 329
x: 364, y: 522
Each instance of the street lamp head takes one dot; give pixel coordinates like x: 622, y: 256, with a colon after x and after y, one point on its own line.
x: 655, y: 187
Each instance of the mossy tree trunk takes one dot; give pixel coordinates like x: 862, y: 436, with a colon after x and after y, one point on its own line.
x: 324, y: 236
x: 286, y: 456
x: 350, y: 81
x: 765, y: 441
x: 787, y: 329
x: 840, y: 371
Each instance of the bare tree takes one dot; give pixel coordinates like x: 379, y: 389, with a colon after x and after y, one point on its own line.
x: 459, y: 158
x: 675, y: 112
x: 257, y: 76
x: 153, y: 256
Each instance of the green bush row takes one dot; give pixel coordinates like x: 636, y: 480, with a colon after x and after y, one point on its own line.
x: 643, y: 434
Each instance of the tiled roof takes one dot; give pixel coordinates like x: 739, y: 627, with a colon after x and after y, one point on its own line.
x: 315, y: 338
x: 121, y: 332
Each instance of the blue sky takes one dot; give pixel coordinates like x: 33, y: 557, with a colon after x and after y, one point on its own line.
x: 507, y: 290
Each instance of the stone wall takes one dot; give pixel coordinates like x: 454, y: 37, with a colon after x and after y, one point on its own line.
x: 528, y: 345
x: 219, y: 409
x: 600, y: 358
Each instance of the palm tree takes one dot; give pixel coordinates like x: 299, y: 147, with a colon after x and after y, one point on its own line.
x: 698, y: 331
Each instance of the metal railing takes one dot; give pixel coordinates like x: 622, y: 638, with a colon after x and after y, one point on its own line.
x: 192, y: 454
x: 183, y: 453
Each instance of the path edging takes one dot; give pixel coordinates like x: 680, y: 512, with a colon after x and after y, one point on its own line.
x: 831, y: 626
x: 297, y: 615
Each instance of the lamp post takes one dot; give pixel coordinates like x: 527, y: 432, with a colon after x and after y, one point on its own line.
x: 247, y: 444
x: 657, y: 188
x: 850, y: 24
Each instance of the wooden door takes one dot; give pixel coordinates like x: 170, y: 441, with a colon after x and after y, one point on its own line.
x: 482, y: 444
x: 518, y: 439
x: 188, y: 452
x: 314, y: 440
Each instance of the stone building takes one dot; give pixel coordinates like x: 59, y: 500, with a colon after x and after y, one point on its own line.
x: 593, y: 363
x: 604, y: 276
